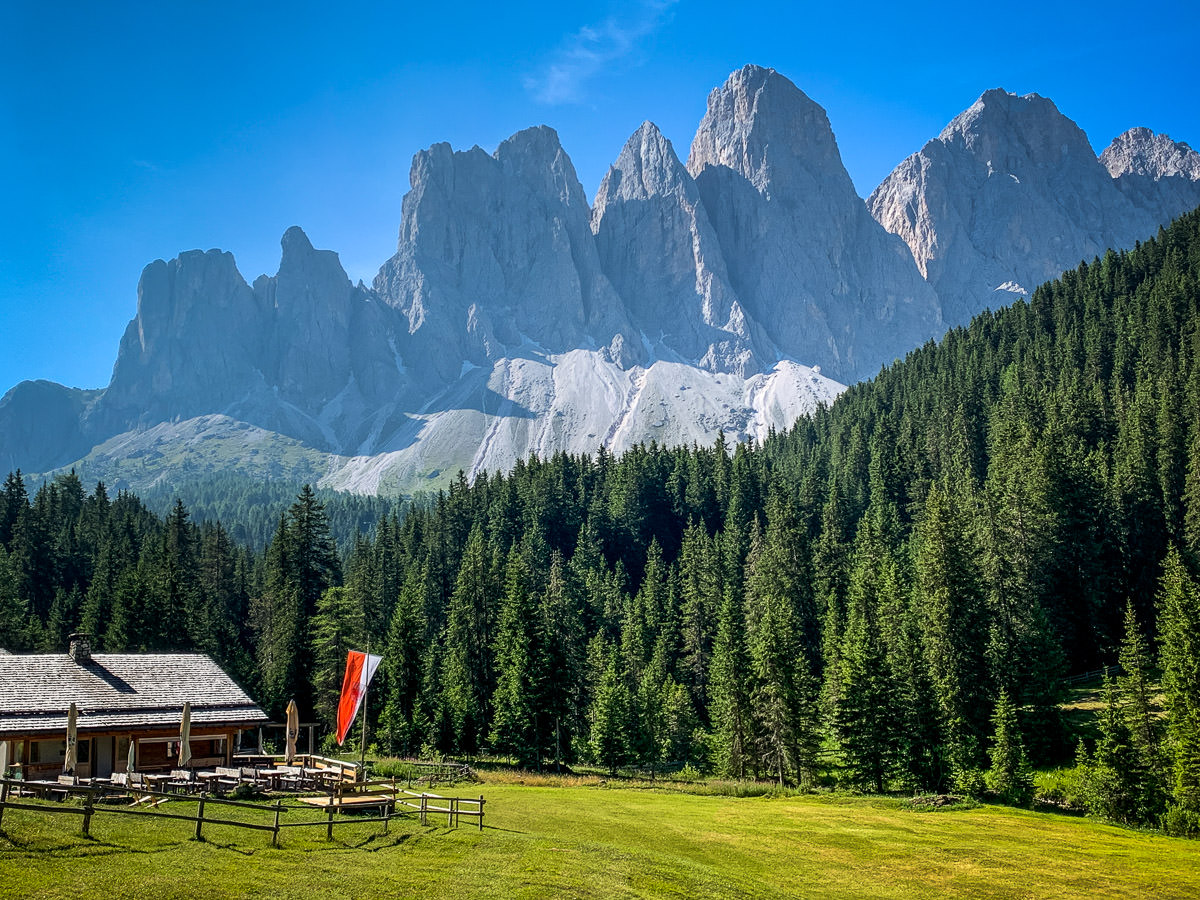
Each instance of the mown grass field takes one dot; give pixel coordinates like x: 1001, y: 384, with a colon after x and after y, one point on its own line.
x: 553, y: 841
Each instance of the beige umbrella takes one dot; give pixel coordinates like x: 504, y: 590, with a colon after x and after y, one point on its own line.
x: 132, y: 752
x: 3, y: 759
x: 72, y: 757
x: 185, y: 735
x: 293, y: 730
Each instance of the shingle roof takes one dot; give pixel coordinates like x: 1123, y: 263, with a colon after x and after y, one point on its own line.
x: 114, y: 691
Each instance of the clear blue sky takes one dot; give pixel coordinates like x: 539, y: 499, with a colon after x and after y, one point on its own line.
x: 132, y: 131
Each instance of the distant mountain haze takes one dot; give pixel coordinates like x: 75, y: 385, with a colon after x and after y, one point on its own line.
x: 734, y: 292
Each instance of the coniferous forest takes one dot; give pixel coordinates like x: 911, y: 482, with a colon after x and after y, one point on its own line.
x: 891, y: 594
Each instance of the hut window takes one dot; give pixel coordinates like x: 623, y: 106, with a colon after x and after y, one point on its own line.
x: 47, y: 751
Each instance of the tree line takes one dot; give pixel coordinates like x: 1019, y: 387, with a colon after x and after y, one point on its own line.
x: 897, y: 585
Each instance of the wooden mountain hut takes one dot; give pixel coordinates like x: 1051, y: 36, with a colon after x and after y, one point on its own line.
x: 120, y: 698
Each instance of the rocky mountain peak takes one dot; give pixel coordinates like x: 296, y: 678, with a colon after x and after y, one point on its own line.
x: 658, y: 249
x: 1139, y: 151
x: 535, y: 156
x: 1006, y: 197
x: 295, y: 241
x: 760, y: 125
x: 1011, y: 132
x: 647, y: 166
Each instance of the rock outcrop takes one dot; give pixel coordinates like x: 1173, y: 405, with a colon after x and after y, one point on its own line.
x: 514, y: 318
x: 801, y: 251
x: 660, y: 252
x: 1156, y: 173
x: 1011, y: 194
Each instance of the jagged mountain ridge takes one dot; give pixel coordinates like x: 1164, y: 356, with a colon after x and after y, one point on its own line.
x: 1011, y: 194
x: 515, y: 318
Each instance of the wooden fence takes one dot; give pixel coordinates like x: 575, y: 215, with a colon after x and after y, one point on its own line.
x: 1095, y: 673
x: 384, y: 795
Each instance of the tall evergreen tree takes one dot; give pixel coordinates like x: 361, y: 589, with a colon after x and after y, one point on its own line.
x: 338, y: 627
x: 1009, y: 776
x: 1179, y: 620
x: 951, y: 601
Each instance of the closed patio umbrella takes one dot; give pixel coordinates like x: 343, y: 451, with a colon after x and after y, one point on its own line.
x: 3, y: 759
x: 185, y: 735
x: 132, y: 751
x: 293, y: 730
x: 72, y: 758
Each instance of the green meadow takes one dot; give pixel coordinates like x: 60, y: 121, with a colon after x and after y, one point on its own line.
x: 584, y: 839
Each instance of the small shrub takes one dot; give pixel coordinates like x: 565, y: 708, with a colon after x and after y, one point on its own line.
x: 1181, y: 822
x: 688, y: 773
x: 931, y: 802
x: 394, y: 768
x: 1065, y: 788
x: 969, y: 782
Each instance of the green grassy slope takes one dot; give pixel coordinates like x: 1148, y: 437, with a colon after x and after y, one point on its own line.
x: 598, y: 842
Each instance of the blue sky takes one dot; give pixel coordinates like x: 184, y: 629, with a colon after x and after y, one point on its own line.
x: 133, y: 131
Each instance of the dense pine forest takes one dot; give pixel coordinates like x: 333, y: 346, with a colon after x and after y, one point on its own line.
x: 893, y: 591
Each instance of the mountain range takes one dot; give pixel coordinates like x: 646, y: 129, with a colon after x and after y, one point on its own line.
x: 733, y: 291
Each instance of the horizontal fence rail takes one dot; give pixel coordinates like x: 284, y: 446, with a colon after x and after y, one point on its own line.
x: 392, y: 800
x: 1095, y: 673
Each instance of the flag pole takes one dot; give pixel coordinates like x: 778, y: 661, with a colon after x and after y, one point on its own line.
x: 362, y: 754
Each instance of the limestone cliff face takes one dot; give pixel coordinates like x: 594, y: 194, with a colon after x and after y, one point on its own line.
x: 800, y: 249
x: 514, y: 318
x: 197, y: 340
x: 659, y: 250
x: 1011, y: 194
x: 1157, y: 174
x: 495, y: 251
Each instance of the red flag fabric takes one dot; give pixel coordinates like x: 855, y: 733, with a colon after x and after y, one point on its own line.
x: 360, y: 668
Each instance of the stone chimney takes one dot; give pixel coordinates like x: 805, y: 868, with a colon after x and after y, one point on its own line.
x: 80, y: 648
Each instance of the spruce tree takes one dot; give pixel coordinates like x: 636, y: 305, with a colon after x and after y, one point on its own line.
x: 402, y: 662
x: 1179, y: 658
x: 729, y: 680
x: 520, y: 684
x: 784, y: 695
x: 951, y: 602
x: 1136, y: 698
x: 1117, y: 778
x: 1009, y: 776
x: 469, y: 670
x: 865, y: 712
x: 338, y: 627
x: 610, y: 718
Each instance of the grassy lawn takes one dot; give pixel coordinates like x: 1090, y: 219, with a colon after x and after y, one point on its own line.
x: 551, y: 841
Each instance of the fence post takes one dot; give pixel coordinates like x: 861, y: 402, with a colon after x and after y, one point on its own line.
x: 275, y: 833
x: 481, y: 812
x: 200, y: 819
x: 329, y: 824
x: 87, y: 813
x: 3, y: 797
x: 423, y: 801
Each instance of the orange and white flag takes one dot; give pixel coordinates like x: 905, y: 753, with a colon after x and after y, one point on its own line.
x: 360, y: 668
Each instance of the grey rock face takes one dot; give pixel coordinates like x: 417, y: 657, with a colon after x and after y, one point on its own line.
x: 515, y: 319
x: 1156, y: 173
x: 1007, y: 197
x: 660, y: 252
x: 495, y: 251
x: 801, y: 251
x: 197, y: 340
x: 277, y: 355
x: 41, y: 426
